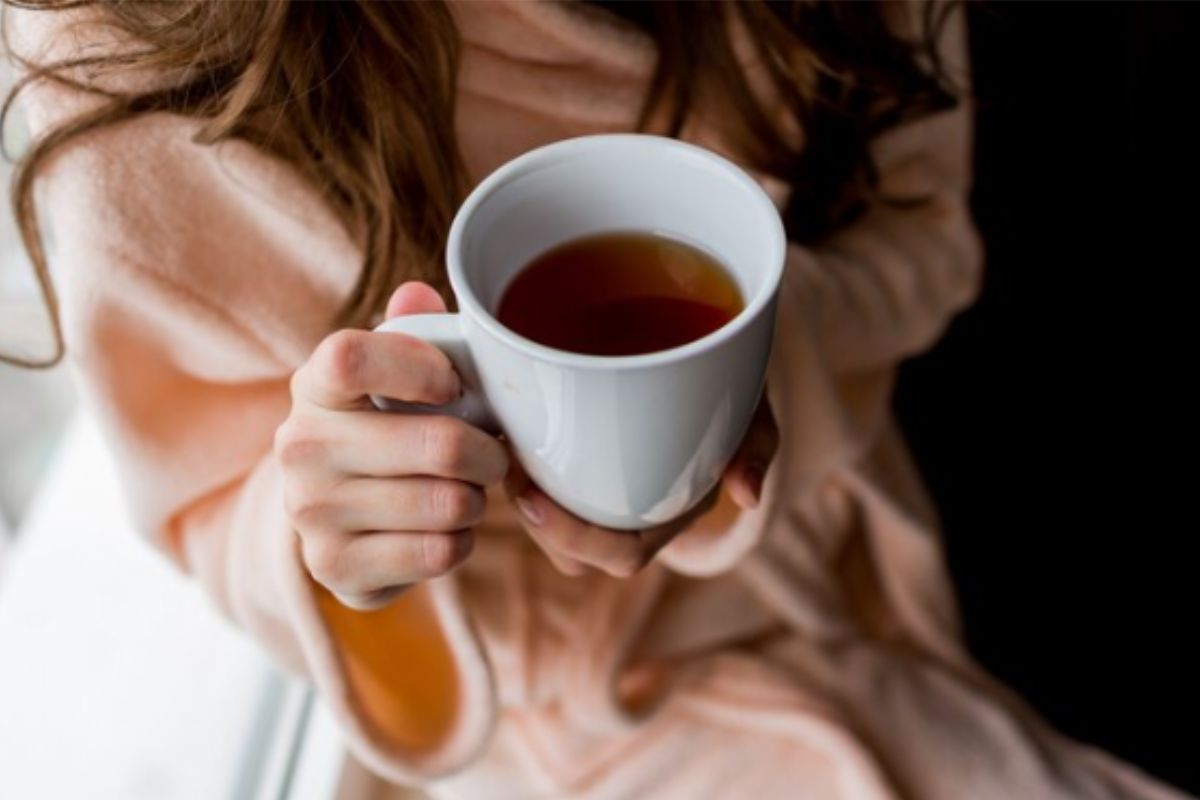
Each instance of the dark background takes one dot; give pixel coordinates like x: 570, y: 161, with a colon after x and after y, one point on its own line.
x: 1053, y: 423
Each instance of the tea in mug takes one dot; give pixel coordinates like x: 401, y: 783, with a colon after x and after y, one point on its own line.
x: 620, y: 294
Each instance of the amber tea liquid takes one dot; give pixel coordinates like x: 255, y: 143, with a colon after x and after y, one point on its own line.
x: 620, y: 294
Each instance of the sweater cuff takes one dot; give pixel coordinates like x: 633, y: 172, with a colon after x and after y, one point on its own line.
x: 409, y: 684
x: 351, y: 686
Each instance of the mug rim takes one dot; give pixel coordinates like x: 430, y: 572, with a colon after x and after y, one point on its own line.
x: 470, y: 305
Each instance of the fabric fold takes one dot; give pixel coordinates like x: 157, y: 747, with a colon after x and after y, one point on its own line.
x: 811, y: 642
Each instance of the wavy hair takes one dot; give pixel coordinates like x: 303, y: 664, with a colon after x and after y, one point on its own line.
x: 303, y: 81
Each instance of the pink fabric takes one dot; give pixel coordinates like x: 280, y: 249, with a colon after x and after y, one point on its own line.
x: 810, y: 648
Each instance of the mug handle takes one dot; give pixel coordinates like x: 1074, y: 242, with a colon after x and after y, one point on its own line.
x: 443, y: 331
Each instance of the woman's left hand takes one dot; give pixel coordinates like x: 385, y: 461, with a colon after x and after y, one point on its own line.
x: 573, y: 545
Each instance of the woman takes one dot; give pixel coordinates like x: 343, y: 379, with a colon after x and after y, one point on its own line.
x: 236, y: 189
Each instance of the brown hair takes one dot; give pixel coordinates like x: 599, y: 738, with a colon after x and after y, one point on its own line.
x: 303, y: 81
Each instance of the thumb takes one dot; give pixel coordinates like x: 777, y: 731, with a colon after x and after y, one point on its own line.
x: 414, y: 297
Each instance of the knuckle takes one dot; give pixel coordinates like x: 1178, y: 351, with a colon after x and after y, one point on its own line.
x: 456, y: 503
x: 441, y: 552
x: 307, y: 512
x: 341, y: 357
x: 326, y: 564
x: 296, y: 444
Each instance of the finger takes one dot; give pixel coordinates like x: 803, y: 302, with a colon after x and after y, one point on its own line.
x: 424, y: 504
x: 414, y: 297
x: 362, y: 566
x: 379, y: 445
x: 514, y: 484
x: 618, y: 553
x: 747, y: 470
x: 350, y: 364
x: 322, y: 447
x: 402, y: 445
x: 567, y: 566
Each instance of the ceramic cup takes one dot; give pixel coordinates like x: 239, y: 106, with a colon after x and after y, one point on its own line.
x: 622, y: 441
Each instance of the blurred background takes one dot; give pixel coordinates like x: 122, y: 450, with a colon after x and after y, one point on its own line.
x: 1045, y: 422
x: 118, y: 680
x: 35, y: 404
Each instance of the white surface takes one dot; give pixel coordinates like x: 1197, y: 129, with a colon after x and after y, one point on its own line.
x: 117, y: 679
x: 629, y: 441
x: 321, y: 762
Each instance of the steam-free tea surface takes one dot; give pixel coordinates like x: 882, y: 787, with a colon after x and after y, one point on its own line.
x: 618, y: 294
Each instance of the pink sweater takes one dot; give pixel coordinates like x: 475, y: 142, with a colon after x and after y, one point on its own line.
x: 809, y: 648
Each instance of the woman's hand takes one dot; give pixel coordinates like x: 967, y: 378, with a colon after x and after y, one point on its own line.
x: 573, y: 545
x: 382, y: 500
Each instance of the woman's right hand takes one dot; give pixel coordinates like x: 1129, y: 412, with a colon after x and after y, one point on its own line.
x: 382, y: 500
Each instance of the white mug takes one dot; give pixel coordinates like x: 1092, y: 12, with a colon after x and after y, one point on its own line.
x: 624, y: 442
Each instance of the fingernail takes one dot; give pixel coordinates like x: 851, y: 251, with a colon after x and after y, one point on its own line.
x: 754, y: 481
x: 529, y: 509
